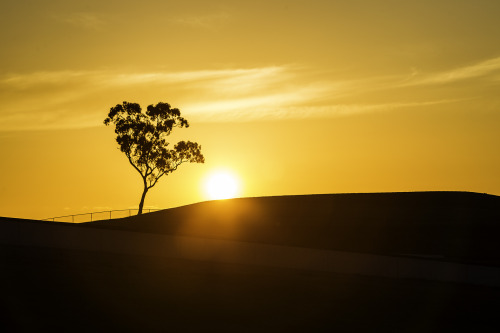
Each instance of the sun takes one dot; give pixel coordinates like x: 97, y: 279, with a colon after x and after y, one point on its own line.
x: 221, y: 185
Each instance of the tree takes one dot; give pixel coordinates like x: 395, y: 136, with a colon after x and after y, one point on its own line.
x: 142, y: 137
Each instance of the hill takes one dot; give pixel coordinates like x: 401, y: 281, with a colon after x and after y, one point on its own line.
x: 453, y: 226
x: 118, y: 275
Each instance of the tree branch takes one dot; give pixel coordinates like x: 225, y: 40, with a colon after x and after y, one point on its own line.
x: 132, y: 163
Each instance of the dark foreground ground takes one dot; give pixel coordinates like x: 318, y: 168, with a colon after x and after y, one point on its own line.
x: 62, y: 290
x: 74, y: 291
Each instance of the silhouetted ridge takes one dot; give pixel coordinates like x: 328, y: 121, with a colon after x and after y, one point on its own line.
x: 458, y: 226
x: 61, y: 275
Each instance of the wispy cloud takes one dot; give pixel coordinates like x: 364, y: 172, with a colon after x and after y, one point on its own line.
x: 206, y: 21
x: 85, y: 20
x: 70, y: 99
x: 80, y: 99
x: 251, y: 74
x: 478, y: 70
x: 335, y: 110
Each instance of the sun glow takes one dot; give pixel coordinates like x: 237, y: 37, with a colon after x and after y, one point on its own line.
x: 221, y: 185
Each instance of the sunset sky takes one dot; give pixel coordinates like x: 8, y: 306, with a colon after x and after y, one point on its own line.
x: 292, y: 97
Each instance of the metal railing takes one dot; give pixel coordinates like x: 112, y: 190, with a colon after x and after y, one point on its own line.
x: 98, y: 216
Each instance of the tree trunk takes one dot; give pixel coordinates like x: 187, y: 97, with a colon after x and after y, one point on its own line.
x: 141, y: 204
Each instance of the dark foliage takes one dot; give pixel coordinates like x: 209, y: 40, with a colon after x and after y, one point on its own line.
x: 142, y: 138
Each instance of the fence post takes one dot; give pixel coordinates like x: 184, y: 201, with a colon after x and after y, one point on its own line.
x: 110, y: 215
x: 72, y: 218
x: 90, y: 217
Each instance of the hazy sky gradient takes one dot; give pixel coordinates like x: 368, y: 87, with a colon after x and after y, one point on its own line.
x: 296, y: 97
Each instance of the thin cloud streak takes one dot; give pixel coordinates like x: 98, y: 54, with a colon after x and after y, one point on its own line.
x: 265, y: 112
x: 252, y: 107
x: 26, y: 80
x: 478, y: 70
x: 208, y: 21
x: 193, y: 76
x: 354, y: 109
x: 85, y: 20
x: 23, y: 81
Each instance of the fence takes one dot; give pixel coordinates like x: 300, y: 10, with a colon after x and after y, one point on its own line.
x: 98, y: 216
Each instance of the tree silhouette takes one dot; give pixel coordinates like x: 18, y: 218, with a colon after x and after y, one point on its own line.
x: 142, y: 137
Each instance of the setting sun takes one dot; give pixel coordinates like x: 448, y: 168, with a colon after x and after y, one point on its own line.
x: 221, y: 185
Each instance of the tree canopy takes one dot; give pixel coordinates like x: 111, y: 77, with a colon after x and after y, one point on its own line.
x: 141, y: 136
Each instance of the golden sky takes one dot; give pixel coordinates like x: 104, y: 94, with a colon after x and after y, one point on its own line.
x: 294, y: 97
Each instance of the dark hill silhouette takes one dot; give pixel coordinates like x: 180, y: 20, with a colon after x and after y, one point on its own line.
x: 65, y: 288
x: 453, y: 226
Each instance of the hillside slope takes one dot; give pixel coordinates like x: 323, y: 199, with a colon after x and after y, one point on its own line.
x: 51, y: 281
x: 453, y: 226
